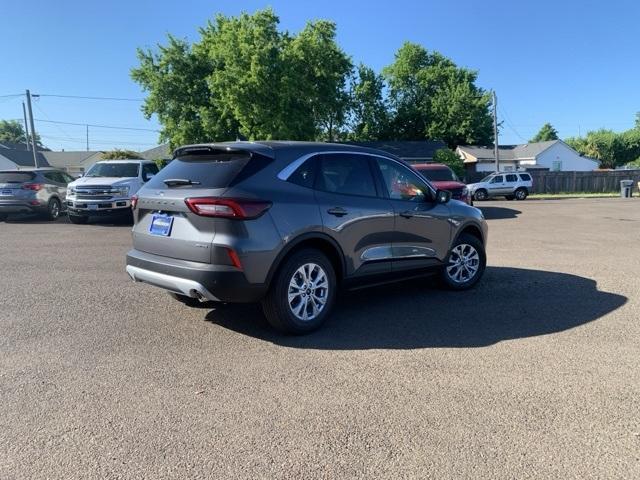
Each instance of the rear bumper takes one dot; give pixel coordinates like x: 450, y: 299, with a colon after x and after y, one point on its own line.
x: 20, y: 207
x: 211, y: 282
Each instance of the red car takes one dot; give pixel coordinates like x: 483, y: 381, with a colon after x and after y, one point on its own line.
x: 443, y: 178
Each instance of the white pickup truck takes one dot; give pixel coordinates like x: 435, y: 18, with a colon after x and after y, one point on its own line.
x: 106, y: 189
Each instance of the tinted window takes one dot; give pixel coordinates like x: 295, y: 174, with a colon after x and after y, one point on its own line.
x: 400, y: 182
x: 498, y: 179
x: 439, y: 174
x: 55, y: 177
x: 346, y: 174
x: 67, y: 178
x: 525, y: 177
x: 122, y: 170
x: 512, y: 178
x: 16, y: 177
x: 305, y: 175
x: 210, y: 169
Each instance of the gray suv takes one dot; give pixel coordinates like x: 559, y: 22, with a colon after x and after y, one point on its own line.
x: 33, y: 190
x: 289, y: 223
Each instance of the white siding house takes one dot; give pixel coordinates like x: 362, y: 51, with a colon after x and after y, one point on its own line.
x: 553, y: 155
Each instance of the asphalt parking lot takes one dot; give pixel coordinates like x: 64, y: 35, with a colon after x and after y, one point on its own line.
x: 533, y: 374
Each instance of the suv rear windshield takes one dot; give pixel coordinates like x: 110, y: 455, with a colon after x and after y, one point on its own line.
x: 439, y: 174
x: 210, y: 170
x: 113, y: 170
x: 16, y: 177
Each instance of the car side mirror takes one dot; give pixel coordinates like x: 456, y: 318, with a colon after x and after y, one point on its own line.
x: 443, y: 196
x: 149, y: 176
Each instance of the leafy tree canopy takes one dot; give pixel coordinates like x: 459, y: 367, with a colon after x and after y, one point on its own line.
x: 546, y: 133
x: 118, y: 154
x: 13, y: 131
x: 433, y: 98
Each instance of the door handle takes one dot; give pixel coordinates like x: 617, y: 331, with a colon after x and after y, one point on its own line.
x: 337, y: 211
x: 407, y: 214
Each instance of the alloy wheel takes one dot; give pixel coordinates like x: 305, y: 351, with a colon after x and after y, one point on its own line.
x: 464, y: 263
x: 308, y: 292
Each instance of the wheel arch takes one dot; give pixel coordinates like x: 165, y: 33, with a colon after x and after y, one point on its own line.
x: 471, y: 229
x: 319, y: 241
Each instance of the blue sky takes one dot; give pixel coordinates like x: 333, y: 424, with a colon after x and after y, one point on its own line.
x: 575, y: 64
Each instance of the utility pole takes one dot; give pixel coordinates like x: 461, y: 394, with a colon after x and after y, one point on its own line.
x: 495, y: 131
x: 87, y: 138
x: 26, y: 128
x: 33, y: 130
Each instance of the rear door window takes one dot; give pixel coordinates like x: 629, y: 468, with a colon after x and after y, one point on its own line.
x: 512, y: 178
x: 210, y: 169
x: 16, y: 177
x: 346, y: 174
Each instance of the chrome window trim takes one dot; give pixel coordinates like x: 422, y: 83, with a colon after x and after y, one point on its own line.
x: 287, y: 171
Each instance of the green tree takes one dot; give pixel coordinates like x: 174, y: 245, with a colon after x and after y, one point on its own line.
x: 433, y: 98
x: 451, y: 159
x: 546, y: 133
x: 370, y: 111
x: 118, y: 154
x: 12, y: 131
x: 246, y: 78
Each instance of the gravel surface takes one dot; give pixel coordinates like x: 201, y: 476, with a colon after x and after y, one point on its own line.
x: 533, y: 374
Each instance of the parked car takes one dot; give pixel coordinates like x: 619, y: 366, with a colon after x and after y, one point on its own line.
x: 289, y: 223
x: 107, y: 188
x: 33, y: 190
x: 503, y: 184
x: 443, y: 178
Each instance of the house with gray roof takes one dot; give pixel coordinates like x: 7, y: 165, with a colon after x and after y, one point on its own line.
x: 74, y: 162
x: 554, y: 155
x: 14, y: 158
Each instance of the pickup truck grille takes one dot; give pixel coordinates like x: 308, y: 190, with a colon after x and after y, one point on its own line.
x: 94, y: 192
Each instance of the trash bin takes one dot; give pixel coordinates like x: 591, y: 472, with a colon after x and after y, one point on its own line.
x: 626, y: 188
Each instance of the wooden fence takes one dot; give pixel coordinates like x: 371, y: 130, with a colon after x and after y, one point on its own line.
x: 585, y: 182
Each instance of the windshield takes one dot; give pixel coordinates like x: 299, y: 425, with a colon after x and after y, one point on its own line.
x: 486, y: 179
x: 113, y: 170
x: 439, y: 174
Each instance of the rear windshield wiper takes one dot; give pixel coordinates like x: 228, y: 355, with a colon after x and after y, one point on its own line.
x: 176, y: 182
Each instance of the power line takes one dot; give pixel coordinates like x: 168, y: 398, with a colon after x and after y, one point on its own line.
x: 12, y: 95
x: 77, y: 140
x: 510, y: 125
x: 117, y: 99
x: 100, y: 126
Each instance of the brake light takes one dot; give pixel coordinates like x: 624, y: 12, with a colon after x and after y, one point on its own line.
x: 33, y: 186
x: 242, y: 209
x: 134, y: 202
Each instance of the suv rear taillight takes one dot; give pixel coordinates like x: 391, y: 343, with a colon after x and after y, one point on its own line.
x: 242, y: 209
x: 33, y: 186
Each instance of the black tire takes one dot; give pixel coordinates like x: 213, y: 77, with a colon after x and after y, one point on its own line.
x: 447, y: 277
x: 54, y: 209
x: 510, y: 197
x: 3, y: 216
x: 276, y: 306
x: 521, y: 194
x: 192, y: 302
x: 78, y: 219
x: 481, y: 195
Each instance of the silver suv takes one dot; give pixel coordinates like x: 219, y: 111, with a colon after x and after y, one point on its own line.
x: 33, y: 190
x: 509, y: 185
x: 289, y: 223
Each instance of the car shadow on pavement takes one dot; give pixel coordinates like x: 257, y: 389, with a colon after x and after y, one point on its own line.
x: 509, y: 303
x: 35, y: 219
x: 499, y: 213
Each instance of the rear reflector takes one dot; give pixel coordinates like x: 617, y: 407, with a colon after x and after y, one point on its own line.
x: 242, y: 209
x: 235, y: 260
x: 33, y: 186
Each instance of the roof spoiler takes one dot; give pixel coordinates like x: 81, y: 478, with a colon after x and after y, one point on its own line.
x: 213, y: 150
